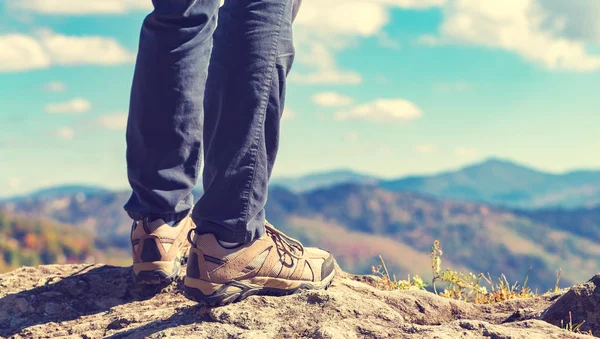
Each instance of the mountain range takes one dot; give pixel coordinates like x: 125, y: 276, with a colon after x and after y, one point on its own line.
x: 494, y: 181
x: 57, y: 191
x: 358, y: 222
x: 502, y: 182
x: 323, y: 179
x: 475, y: 237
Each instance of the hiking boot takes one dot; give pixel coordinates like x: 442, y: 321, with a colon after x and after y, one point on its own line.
x: 159, y: 250
x: 274, y: 264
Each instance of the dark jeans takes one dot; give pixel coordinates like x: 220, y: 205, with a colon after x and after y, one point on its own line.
x: 214, y: 90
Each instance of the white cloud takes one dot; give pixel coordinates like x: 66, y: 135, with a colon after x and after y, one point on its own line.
x: 65, y: 133
x: 78, y: 7
x: 116, y: 121
x: 20, y: 52
x: 332, y: 77
x: 78, y: 50
x: 425, y: 149
x: 383, y: 110
x: 337, y: 18
x: 465, y: 152
x: 324, y: 28
x: 528, y: 28
x: 55, y: 86
x: 81, y: 7
x: 578, y: 20
x: 429, y: 40
x: 343, y: 17
x: 331, y: 99
x: 75, y: 106
x: 319, y: 57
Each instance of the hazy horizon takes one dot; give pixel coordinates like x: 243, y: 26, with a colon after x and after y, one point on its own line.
x: 321, y: 172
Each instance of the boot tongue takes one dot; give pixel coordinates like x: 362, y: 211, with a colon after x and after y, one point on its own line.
x: 172, y: 223
x: 152, y: 226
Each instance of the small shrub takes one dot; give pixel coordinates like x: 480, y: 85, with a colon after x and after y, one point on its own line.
x: 391, y: 283
x: 458, y: 285
x: 468, y: 286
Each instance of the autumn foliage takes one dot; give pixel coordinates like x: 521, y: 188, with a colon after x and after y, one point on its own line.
x: 30, y: 242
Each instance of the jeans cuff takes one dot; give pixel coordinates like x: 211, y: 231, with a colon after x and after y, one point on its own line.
x: 167, y: 217
x: 223, y: 233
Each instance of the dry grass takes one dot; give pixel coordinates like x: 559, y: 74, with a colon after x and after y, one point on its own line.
x: 389, y: 283
x: 467, y: 287
x: 575, y: 328
x: 479, y: 289
x: 472, y: 288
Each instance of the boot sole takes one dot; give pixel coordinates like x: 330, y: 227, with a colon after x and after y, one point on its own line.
x: 158, y: 272
x: 235, y: 291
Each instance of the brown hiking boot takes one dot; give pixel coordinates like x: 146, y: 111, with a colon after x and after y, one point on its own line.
x: 159, y: 250
x: 274, y: 264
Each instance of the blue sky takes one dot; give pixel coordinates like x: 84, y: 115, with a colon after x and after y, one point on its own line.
x: 388, y: 87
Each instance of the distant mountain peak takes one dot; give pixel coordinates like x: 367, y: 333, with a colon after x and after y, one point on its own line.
x: 507, y: 183
x: 495, y: 162
x: 323, y: 179
x: 60, y: 191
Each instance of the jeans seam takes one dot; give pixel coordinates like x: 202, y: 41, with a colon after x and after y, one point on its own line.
x: 189, y: 7
x: 263, y: 109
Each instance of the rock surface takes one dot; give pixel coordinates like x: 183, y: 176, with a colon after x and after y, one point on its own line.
x: 579, y: 305
x: 96, y: 301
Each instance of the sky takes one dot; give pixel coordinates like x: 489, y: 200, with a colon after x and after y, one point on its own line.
x: 386, y: 87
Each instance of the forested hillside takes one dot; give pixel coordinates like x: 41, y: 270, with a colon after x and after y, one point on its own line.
x: 28, y: 241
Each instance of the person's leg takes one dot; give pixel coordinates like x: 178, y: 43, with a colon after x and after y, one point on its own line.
x: 164, y: 130
x: 164, y: 133
x: 251, y: 56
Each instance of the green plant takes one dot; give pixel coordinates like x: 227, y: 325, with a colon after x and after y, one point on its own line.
x: 574, y: 328
x: 391, y: 283
x: 458, y: 285
x: 468, y: 286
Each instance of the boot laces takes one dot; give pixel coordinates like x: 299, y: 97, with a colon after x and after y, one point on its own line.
x: 285, y: 243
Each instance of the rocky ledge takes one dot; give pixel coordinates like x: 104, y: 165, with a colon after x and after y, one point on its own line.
x: 98, y: 301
